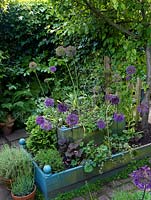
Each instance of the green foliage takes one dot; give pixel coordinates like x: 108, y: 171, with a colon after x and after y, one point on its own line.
x: 39, y: 195
x: 49, y: 157
x: 95, y: 156
x: 121, y: 195
x: 12, y: 161
x: 38, y: 138
x: 23, y: 184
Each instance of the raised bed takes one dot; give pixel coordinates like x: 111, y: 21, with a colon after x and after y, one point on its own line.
x: 53, y: 184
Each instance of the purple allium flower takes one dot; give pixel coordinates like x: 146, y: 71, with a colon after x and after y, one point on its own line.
x: 70, y: 51
x: 72, y: 119
x: 143, y: 108
x: 62, y: 107
x: 128, y: 77
x: 60, y: 51
x: 142, y: 178
x: 101, y: 124
x: 114, y: 100
x: 118, y: 117
x: 46, y: 125
x: 49, y: 102
x: 53, y: 69
x: 131, y: 70
x: 40, y: 120
x: 108, y: 97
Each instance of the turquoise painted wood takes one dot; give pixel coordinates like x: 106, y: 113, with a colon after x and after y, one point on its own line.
x: 77, y: 133
x: 52, y: 184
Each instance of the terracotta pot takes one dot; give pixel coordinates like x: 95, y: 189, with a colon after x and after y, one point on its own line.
x: 30, y: 196
x: 7, y: 130
x: 6, y: 182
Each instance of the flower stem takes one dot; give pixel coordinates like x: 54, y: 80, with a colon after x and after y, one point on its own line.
x: 74, y: 88
x: 144, y: 193
x: 107, y: 127
x: 39, y: 83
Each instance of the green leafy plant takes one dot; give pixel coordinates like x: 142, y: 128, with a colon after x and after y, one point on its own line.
x: 12, y: 160
x: 49, y: 157
x: 23, y: 184
x: 38, y: 138
x: 95, y: 156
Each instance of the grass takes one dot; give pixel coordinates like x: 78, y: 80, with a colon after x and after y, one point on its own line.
x: 120, y: 195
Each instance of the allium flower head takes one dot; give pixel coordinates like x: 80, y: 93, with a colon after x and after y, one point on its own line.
x: 70, y: 51
x: 114, y: 100
x: 49, y: 102
x: 128, y: 77
x: 53, y: 69
x: 60, y: 51
x: 101, y: 124
x: 108, y: 97
x: 72, y: 119
x: 142, y: 178
x: 131, y: 70
x: 116, y: 78
x: 118, y: 117
x: 46, y: 125
x: 143, y: 108
x: 40, y: 120
x: 62, y: 107
x: 32, y: 65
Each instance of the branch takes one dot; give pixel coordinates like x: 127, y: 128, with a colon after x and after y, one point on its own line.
x: 99, y: 14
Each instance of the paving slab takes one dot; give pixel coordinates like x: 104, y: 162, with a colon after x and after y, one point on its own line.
x: 103, y: 197
x: 2, y: 140
x: 4, y: 193
x: 16, y: 135
x: 114, y: 184
x: 127, y: 187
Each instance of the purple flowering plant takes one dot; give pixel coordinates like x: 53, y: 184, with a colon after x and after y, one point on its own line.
x: 142, y: 179
x: 93, y: 112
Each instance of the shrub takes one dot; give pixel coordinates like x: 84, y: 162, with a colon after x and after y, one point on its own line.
x: 49, y: 157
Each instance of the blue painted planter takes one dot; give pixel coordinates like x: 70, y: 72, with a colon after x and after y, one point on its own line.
x: 52, y: 184
x: 77, y: 133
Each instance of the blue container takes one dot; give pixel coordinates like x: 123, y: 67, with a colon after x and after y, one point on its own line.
x: 53, y: 184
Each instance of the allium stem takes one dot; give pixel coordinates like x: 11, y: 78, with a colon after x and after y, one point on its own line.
x: 48, y: 86
x: 144, y: 193
x: 39, y: 83
x: 117, y: 122
x: 107, y: 127
x: 75, y: 93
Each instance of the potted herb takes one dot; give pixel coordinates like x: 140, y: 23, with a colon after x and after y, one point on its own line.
x: 11, y: 161
x: 23, y: 187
